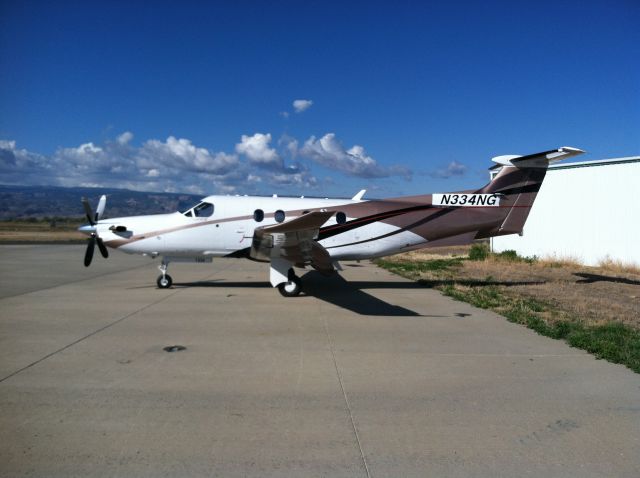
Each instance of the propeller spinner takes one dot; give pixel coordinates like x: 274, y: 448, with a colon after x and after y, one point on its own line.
x: 92, y: 230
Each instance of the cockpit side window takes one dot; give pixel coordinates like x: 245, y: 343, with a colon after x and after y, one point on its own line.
x: 204, y: 209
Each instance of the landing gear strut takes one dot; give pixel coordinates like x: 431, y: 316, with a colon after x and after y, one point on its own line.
x: 164, y: 280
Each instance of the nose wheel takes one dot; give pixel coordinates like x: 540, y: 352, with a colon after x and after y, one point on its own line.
x: 164, y: 280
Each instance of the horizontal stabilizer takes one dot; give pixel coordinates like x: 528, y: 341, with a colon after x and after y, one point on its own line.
x: 536, y: 160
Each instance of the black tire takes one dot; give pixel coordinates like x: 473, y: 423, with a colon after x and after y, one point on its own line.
x: 291, y: 288
x: 164, y: 281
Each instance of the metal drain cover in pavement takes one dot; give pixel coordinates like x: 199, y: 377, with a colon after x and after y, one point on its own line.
x: 174, y: 348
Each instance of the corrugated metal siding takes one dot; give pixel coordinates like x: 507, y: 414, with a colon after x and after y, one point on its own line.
x: 588, y: 211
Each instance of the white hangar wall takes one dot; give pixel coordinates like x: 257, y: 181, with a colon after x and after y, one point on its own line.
x: 587, y: 211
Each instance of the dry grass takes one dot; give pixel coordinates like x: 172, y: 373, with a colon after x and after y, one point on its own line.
x: 14, y: 231
x: 593, y: 308
x: 593, y: 295
x: 619, y: 266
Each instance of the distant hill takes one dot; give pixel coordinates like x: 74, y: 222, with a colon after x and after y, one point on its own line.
x: 21, y: 202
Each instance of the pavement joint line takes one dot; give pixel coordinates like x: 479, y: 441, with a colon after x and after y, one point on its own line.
x: 101, y: 329
x: 42, y: 359
x: 346, y: 399
x: 119, y: 271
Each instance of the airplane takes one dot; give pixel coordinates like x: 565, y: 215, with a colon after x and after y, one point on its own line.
x: 292, y: 233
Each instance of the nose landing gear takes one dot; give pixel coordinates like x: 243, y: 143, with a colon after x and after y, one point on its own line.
x: 164, y: 280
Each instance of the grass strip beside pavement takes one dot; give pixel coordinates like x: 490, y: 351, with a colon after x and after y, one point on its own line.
x: 613, y: 341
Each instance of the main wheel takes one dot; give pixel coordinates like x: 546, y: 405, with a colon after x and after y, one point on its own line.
x: 291, y: 288
x: 164, y: 281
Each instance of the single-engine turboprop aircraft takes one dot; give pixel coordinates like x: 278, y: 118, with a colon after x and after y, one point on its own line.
x: 299, y: 232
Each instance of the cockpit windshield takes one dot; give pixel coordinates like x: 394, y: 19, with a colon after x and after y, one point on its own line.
x: 204, y: 209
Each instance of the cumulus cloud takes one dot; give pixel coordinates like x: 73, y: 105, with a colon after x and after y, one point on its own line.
x: 257, y: 149
x: 16, y: 164
x: 125, y: 138
x: 289, y: 144
x: 330, y: 153
x: 302, y: 105
x: 156, y: 166
x: 183, y: 155
x: 256, y: 166
x: 453, y: 169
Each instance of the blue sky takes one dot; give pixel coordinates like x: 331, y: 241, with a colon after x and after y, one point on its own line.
x: 399, y: 97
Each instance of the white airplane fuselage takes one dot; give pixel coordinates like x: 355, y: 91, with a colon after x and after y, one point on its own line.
x: 230, y: 228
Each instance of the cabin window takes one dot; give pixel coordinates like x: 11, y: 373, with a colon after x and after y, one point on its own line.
x: 341, y: 218
x: 204, y: 209
x: 258, y: 215
x: 279, y: 215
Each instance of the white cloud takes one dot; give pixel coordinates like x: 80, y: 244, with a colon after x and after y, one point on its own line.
x: 181, y: 154
x: 289, y: 144
x: 124, y: 138
x: 454, y: 168
x: 257, y: 149
x: 300, y: 179
x: 301, y: 105
x: 177, y: 164
x: 329, y: 152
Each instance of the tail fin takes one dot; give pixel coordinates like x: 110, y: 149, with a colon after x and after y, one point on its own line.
x: 517, y: 182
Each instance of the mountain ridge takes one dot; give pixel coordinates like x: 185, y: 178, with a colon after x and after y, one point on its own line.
x: 23, y: 202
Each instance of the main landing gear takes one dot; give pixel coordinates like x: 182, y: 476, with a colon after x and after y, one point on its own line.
x: 284, y: 278
x: 164, y: 280
x: 292, y: 287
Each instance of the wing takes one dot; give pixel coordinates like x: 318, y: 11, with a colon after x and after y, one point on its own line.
x: 294, y: 241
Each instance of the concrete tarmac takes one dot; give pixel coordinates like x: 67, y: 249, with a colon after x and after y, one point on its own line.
x: 367, y: 374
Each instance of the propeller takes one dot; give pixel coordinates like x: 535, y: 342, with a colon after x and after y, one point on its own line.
x: 92, y: 230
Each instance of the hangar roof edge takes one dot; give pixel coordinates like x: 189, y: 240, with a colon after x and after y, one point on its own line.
x: 597, y: 162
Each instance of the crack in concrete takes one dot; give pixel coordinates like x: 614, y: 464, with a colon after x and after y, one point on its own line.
x: 346, y: 398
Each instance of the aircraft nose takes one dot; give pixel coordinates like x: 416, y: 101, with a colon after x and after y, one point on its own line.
x: 87, y: 229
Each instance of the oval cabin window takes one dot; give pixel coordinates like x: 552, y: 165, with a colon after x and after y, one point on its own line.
x: 279, y: 215
x: 258, y: 215
x: 341, y: 218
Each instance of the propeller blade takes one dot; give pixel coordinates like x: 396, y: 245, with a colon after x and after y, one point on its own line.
x: 89, y: 254
x: 103, y: 248
x: 88, y: 211
x: 101, y: 204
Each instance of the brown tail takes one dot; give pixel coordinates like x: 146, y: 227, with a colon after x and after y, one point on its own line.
x: 518, y: 182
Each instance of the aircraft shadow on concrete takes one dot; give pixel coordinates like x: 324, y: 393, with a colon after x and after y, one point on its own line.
x: 335, y: 290
x: 591, y: 278
x: 349, y: 295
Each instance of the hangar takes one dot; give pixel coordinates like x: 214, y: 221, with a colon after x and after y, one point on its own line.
x: 585, y: 211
